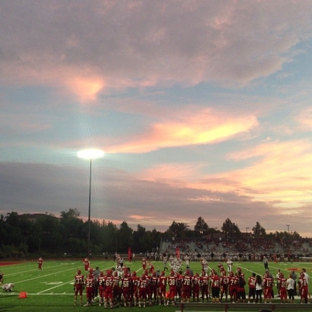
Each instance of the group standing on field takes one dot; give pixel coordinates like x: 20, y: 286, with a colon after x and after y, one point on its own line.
x: 121, y: 287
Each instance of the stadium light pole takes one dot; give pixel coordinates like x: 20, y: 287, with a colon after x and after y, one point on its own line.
x: 288, y: 225
x: 90, y: 154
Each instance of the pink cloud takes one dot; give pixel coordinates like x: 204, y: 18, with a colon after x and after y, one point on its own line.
x: 176, y: 175
x: 86, y: 88
x: 275, y: 175
x: 100, y: 47
x: 190, y: 128
x: 304, y: 119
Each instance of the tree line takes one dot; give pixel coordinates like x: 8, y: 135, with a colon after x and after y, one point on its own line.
x: 27, y: 235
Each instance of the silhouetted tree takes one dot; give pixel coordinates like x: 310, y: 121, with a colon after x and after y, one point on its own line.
x: 230, y: 229
x: 124, y: 236
x: 258, y: 231
x: 137, y: 235
x: 178, y: 229
x: 109, y: 237
x: 201, y: 227
x: 45, y: 233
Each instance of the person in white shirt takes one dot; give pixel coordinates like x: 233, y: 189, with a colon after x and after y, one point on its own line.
x: 291, y: 288
x: 306, y: 276
x: 229, y: 265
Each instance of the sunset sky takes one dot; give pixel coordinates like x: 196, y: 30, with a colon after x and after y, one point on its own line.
x: 203, y: 108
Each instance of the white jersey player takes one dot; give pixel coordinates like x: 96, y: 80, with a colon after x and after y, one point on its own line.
x: 8, y: 287
x: 229, y: 265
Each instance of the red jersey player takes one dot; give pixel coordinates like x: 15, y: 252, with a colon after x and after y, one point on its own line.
x: 126, y: 289
x: 204, y: 283
x: 40, y: 263
x: 117, y: 290
x: 108, y: 291
x: 86, y: 264
x: 153, y: 287
x: 144, y: 262
x: 142, y: 290
x: 224, y: 285
x: 162, y: 285
x: 303, y: 288
x: 179, y: 286
x: 220, y: 268
x: 252, y: 288
x: 134, y: 290
x: 148, y: 286
x: 186, y: 286
x: 196, y: 285
x: 233, y: 287
x: 172, y: 282
x: 101, y: 288
x: 78, y: 286
x: 151, y: 268
x: 1, y: 277
x: 89, y: 282
x: 279, y: 275
x: 268, y: 284
x: 283, y: 289
x: 215, y: 286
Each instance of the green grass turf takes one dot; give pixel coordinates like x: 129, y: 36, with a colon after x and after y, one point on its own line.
x: 52, y: 288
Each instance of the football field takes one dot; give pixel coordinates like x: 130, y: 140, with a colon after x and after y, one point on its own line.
x: 52, y: 288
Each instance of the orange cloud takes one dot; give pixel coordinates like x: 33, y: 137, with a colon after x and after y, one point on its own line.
x: 201, y: 128
x: 83, y: 82
x: 278, y: 175
x: 86, y: 88
x: 177, y: 175
x: 139, y: 217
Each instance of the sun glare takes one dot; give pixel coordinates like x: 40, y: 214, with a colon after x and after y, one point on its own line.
x: 90, y: 154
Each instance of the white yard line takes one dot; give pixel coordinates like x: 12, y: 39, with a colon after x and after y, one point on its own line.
x: 36, y: 294
x: 43, y: 275
x: 237, y: 265
x: 34, y: 269
x: 40, y: 292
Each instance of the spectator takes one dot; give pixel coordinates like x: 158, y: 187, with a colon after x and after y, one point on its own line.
x: 258, y: 289
x: 291, y: 288
x: 266, y: 263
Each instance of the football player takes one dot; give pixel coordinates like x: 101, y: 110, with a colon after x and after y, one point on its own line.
x: 8, y: 287
x: 78, y: 286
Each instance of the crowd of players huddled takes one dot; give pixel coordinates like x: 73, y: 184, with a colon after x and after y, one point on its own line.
x: 120, y: 286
